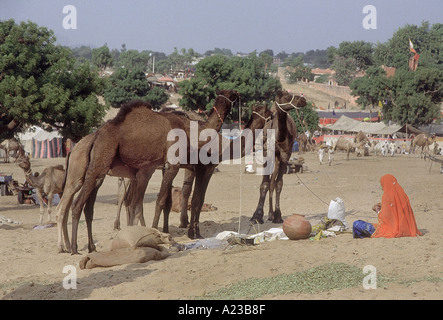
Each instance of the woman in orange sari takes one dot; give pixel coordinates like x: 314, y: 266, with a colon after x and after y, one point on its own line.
x: 395, y: 218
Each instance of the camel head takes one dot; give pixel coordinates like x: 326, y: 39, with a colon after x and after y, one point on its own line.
x: 260, y: 115
x: 24, y: 163
x: 287, y: 101
x: 231, y: 95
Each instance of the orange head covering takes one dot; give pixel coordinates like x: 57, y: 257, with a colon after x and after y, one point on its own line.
x: 396, y: 218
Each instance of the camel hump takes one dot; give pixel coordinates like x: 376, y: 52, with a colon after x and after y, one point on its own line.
x: 126, y: 108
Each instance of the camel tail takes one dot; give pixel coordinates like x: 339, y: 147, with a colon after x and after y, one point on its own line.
x: 65, y: 176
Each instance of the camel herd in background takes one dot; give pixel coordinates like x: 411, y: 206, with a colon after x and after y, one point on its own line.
x: 135, y: 143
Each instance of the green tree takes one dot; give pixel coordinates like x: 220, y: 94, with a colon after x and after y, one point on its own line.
x: 349, y: 59
x: 131, y: 84
x: 246, y: 75
x: 305, y: 119
x: 40, y: 83
x: 102, y: 57
x: 412, y: 97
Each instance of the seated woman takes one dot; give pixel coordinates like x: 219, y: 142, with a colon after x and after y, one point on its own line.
x: 395, y: 215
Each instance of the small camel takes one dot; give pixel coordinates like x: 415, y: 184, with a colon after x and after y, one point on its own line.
x: 49, y: 182
x: 9, y: 145
x: 423, y: 141
x: 343, y: 144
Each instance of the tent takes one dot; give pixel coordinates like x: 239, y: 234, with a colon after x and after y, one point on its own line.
x: 347, y: 124
x: 42, y: 144
x: 47, y: 145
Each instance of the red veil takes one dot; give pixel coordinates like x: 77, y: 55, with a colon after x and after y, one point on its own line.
x: 396, y: 218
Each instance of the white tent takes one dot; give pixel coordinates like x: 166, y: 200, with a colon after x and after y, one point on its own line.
x: 347, y: 124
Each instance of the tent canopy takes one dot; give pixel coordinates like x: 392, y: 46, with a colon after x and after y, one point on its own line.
x: 345, y: 123
x: 42, y: 144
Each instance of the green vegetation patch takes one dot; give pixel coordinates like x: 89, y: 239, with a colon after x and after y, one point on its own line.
x: 327, y: 277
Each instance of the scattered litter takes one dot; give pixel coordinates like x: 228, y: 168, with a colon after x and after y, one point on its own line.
x: 336, y: 210
x: 3, y: 219
x: 233, y: 238
x: 44, y: 226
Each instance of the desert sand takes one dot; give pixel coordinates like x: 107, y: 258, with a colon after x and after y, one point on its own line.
x: 31, y: 268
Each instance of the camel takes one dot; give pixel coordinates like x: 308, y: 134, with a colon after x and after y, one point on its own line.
x: 423, y: 141
x: 202, y: 174
x: 361, y: 137
x: 260, y: 115
x: 302, y: 140
x: 285, y: 133
x: 164, y: 198
x: 9, y: 145
x: 132, y: 145
x: 128, y: 187
x: 343, y: 144
x: 49, y: 182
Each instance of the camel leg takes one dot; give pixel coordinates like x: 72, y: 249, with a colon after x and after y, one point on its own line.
x: 168, y: 203
x: 121, y: 193
x: 186, y: 193
x: 132, y: 218
x: 137, y: 191
x: 257, y: 217
x: 164, y: 197
x: 50, y: 197
x: 203, y: 174
x: 89, y: 214
x: 42, y: 204
x: 272, y: 188
x: 62, y: 218
x: 277, y: 216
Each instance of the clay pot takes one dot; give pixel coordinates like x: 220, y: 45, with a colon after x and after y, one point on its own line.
x: 297, y: 227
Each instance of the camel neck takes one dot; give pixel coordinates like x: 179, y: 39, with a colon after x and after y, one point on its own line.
x: 282, y: 127
x: 29, y: 176
x: 219, y: 112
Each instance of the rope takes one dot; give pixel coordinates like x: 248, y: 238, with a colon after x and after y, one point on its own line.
x: 312, y: 191
x: 241, y: 172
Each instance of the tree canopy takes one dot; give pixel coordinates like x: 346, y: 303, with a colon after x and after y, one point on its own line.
x: 408, y: 96
x: 246, y: 75
x: 40, y: 83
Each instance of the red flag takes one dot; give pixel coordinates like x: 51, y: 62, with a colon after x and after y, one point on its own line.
x: 411, y: 48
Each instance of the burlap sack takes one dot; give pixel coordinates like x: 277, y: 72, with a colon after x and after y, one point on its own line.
x: 122, y: 256
x: 138, y: 236
x: 134, y: 244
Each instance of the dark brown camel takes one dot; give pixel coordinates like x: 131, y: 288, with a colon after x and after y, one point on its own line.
x: 285, y: 133
x: 259, y: 117
x: 133, y: 145
x: 164, y: 198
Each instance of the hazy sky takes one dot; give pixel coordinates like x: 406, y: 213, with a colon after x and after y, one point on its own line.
x: 239, y: 25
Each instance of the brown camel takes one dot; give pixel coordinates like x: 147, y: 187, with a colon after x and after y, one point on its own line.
x: 285, y: 133
x: 9, y: 145
x: 423, y: 141
x: 222, y: 106
x: 49, y: 182
x: 127, y: 188
x: 302, y: 140
x: 259, y: 117
x: 344, y: 144
x: 133, y: 145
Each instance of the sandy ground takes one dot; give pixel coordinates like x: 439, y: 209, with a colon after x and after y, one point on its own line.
x: 31, y: 268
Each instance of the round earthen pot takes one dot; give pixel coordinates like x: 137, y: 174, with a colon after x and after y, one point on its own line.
x: 297, y: 227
